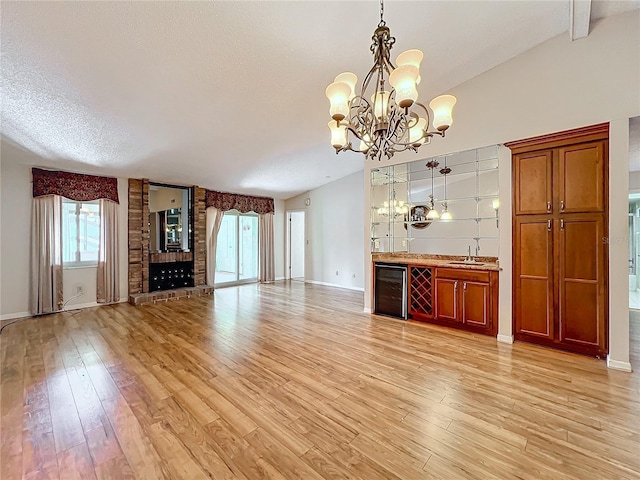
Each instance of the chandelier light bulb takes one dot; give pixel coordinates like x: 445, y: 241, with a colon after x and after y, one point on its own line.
x: 433, y: 214
x: 365, y: 143
x: 411, y: 57
x: 338, y: 134
x: 380, y: 102
x: 403, y: 80
x: 442, y: 107
x: 338, y: 94
x: 350, y: 79
x: 416, y: 133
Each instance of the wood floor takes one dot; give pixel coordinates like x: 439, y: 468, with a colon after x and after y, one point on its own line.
x: 292, y: 381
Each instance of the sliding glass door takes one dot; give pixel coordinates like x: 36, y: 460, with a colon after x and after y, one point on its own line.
x: 237, y: 251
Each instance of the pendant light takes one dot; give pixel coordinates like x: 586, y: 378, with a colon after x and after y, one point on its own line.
x: 446, y: 214
x: 433, y: 213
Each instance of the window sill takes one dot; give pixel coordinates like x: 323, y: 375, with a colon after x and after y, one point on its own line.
x: 79, y: 267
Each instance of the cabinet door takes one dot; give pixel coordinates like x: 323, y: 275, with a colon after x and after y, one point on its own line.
x: 533, y: 175
x: 582, y: 283
x: 581, y: 177
x: 533, y: 277
x: 447, y: 299
x: 475, y: 304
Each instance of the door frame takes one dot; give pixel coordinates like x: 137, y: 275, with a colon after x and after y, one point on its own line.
x: 289, y: 243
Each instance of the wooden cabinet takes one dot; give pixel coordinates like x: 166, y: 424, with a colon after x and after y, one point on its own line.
x: 467, y: 299
x: 447, y: 300
x: 559, y: 249
x: 533, y: 175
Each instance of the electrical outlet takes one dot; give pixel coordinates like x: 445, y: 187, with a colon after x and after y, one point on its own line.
x: 336, y: 273
x: 404, y: 243
x: 376, y: 244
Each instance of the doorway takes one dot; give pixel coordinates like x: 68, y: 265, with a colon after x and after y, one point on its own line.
x: 296, y: 242
x: 237, y: 250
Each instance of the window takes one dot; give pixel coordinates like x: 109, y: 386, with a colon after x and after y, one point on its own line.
x: 80, y: 233
x: 237, y: 250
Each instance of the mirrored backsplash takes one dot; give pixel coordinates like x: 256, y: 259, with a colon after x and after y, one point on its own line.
x: 440, y: 205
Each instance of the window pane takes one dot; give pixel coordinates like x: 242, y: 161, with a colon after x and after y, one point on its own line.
x: 226, y: 253
x: 89, y: 232
x: 69, y: 232
x: 248, y: 247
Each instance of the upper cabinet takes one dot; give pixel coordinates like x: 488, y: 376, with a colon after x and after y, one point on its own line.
x: 556, y: 179
x: 533, y: 178
x: 581, y: 177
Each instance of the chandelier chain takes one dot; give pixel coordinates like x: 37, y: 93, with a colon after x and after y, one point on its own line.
x: 382, y: 22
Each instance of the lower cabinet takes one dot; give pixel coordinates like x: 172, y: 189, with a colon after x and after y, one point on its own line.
x: 466, y: 299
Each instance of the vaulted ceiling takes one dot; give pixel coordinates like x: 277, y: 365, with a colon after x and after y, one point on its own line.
x: 230, y: 95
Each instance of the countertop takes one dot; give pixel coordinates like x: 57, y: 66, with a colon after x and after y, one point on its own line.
x: 484, y: 263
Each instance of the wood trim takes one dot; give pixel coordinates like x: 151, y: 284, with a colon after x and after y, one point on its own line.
x: 560, y: 139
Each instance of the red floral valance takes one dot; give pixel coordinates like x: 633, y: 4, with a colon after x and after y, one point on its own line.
x: 243, y: 203
x: 75, y: 186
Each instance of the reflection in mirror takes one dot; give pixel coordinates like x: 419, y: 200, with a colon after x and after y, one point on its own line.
x: 169, y: 218
x: 463, y: 191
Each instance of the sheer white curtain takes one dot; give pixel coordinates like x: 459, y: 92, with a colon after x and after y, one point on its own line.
x: 214, y: 219
x: 267, y: 268
x: 108, y: 284
x: 45, y: 293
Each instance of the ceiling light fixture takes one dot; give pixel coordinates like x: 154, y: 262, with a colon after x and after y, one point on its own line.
x: 446, y: 214
x: 389, y: 120
x: 395, y: 209
x: 433, y: 213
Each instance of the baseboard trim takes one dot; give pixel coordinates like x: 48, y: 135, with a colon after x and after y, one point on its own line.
x: 505, y: 338
x: 366, y: 310
x: 280, y: 278
x: 11, y: 316
x: 618, y: 365
x: 335, y: 285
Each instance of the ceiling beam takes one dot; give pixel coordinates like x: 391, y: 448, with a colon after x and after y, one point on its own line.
x: 579, y: 18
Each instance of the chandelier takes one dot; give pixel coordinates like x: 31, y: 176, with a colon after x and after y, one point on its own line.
x: 385, y: 120
x: 393, y: 209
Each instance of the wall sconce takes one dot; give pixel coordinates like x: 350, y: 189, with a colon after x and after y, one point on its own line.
x: 496, y: 207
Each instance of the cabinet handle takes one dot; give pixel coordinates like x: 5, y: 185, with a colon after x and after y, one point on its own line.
x: 562, y: 224
x: 549, y: 225
x: 562, y: 205
x: 455, y: 285
x: 464, y: 286
x: 548, y: 206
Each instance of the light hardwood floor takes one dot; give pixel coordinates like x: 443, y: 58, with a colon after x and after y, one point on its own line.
x: 292, y: 381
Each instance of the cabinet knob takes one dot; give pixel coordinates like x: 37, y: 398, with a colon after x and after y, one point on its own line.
x: 455, y: 285
x: 464, y: 286
x: 562, y: 224
x: 549, y: 225
x: 562, y: 205
x: 548, y: 206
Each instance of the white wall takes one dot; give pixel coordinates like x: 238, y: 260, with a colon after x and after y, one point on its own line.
x: 15, y: 221
x: 555, y: 86
x: 334, y: 232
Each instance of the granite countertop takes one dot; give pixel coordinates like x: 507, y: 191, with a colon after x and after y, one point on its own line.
x: 484, y: 263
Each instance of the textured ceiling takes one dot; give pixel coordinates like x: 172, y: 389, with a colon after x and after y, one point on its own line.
x: 229, y: 95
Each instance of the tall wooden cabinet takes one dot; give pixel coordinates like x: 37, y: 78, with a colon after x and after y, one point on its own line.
x: 560, y: 251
